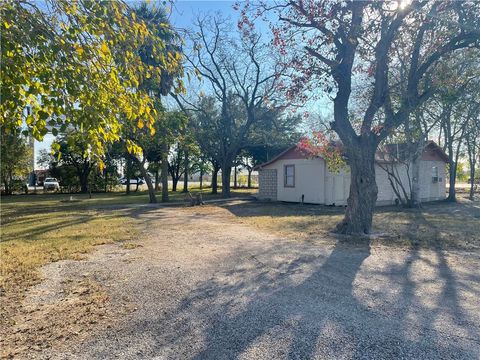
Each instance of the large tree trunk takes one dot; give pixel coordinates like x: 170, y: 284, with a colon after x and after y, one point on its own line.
x: 363, y: 191
x: 128, y: 166
x: 8, y: 190
x: 226, y: 174
x: 472, y: 182
x: 449, y: 139
x: 201, y: 178
x: 415, y: 191
x: 472, y: 162
x: 235, y: 183
x: 249, y: 179
x: 83, y: 177
x: 215, y: 180
x: 185, y: 173
x: 174, y: 183
x: 452, y: 174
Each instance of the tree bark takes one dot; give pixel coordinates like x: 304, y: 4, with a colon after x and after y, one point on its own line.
x: 148, y: 180
x: 226, y: 174
x: 363, y: 191
x: 128, y: 166
x: 174, y: 183
x: 472, y: 183
x: 185, y: 173
x: 157, y: 178
x: 83, y: 177
x: 201, y: 178
x: 8, y: 190
x: 249, y: 179
x: 215, y: 180
x: 164, y: 173
x: 235, y: 184
x: 452, y: 174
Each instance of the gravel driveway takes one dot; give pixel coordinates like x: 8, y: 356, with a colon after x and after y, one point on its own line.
x: 205, y: 286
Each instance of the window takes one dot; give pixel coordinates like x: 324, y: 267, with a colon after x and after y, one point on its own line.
x: 435, y: 174
x: 289, y: 178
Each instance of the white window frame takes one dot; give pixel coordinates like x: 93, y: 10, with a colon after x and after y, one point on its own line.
x: 286, y: 176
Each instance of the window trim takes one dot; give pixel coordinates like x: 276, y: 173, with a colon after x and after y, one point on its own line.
x: 285, y: 175
x: 435, y: 175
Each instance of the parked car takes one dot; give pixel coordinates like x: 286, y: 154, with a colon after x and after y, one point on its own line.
x: 133, y: 181
x: 51, y: 184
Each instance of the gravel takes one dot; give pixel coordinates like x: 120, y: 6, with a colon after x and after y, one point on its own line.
x: 203, y: 285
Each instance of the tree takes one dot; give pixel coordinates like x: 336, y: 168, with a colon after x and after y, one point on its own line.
x: 16, y: 157
x: 151, y: 142
x: 473, y: 149
x: 72, y: 151
x: 329, y: 44
x: 77, y: 64
x: 275, y: 132
x: 202, y: 166
x: 457, y: 104
x: 215, y: 170
x: 239, y: 76
x: 175, y: 164
x: 401, y: 152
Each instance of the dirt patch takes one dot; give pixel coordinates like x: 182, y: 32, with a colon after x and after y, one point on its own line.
x: 204, y: 278
x: 53, y: 320
x: 69, y: 306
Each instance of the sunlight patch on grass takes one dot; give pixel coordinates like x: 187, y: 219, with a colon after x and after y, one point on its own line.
x: 435, y: 225
x: 33, y: 240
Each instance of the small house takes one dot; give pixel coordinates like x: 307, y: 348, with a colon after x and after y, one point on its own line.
x: 293, y: 176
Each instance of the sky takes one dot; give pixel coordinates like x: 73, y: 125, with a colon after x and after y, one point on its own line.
x: 183, y: 14
x: 182, y: 17
x: 185, y: 11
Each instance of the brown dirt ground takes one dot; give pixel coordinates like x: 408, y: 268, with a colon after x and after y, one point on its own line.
x: 74, y: 302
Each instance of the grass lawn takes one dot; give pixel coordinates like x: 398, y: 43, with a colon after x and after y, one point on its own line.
x: 38, y: 229
x: 438, y: 224
x: 44, y: 228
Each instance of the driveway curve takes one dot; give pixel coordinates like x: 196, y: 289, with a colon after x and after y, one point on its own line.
x: 204, y: 285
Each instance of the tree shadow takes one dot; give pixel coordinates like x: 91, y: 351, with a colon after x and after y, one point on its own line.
x: 301, y: 301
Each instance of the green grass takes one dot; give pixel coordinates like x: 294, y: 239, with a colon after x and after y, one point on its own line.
x: 59, y: 201
x: 32, y: 238
x: 38, y: 229
x: 439, y: 224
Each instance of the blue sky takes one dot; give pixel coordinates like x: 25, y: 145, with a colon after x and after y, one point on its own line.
x: 182, y: 16
x: 185, y: 11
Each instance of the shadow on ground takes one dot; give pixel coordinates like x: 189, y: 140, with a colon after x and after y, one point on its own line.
x: 320, y: 316
x: 298, y: 301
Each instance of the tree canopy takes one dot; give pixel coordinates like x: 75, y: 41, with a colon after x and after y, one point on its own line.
x: 77, y: 64
x: 378, y: 56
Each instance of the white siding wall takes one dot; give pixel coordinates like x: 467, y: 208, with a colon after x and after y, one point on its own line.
x: 337, y: 187
x: 309, y: 180
x: 430, y: 191
x: 386, y: 194
x: 321, y: 186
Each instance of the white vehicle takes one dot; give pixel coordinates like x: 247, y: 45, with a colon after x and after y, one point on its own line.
x: 51, y: 184
x: 133, y: 181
